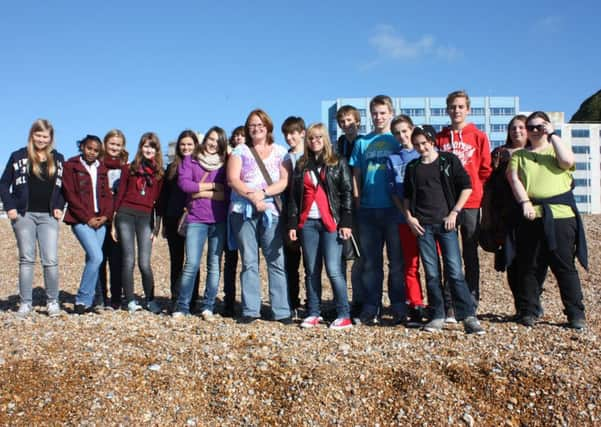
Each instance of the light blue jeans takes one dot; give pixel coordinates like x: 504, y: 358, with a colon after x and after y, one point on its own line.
x: 319, y: 245
x: 91, y: 239
x: 40, y: 228
x: 196, y: 236
x: 251, y: 234
x: 376, y: 228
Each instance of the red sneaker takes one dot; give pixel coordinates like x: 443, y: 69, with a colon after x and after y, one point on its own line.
x: 341, y: 323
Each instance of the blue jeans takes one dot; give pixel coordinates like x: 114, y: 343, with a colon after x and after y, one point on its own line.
x: 40, y: 228
x: 196, y: 236
x: 131, y: 228
x: 376, y: 228
x: 91, y: 239
x: 251, y: 234
x: 319, y: 245
x: 451, y: 258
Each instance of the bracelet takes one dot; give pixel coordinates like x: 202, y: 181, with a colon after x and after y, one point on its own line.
x: 524, y: 201
x: 457, y: 211
x: 549, y: 135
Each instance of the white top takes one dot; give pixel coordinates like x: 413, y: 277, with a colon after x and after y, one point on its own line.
x: 93, y: 171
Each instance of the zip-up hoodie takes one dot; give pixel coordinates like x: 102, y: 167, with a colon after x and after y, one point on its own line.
x: 472, y: 148
x: 14, y: 188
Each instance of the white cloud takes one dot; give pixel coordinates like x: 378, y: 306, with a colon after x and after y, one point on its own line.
x: 391, y: 45
x: 550, y: 23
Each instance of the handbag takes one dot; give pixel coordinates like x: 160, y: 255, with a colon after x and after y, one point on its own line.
x: 350, y: 249
x: 182, y: 223
x: 277, y: 199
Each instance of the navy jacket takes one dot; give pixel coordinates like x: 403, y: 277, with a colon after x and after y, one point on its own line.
x: 14, y: 189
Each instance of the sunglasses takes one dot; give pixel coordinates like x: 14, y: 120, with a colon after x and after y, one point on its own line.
x: 532, y: 128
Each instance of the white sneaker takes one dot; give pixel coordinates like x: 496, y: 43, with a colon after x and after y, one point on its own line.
x: 133, y: 306
x: 311, y: 322
x: 208, y: 315
x: 450, y: 320
x: 178, y: 314
x: 53, y: 309
x: 24, y: 311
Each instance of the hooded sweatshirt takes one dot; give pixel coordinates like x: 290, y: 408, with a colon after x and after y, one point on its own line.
x: 473, y: 149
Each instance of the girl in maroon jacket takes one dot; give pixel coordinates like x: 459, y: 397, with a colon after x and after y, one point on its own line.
x: 86, y: 190
x: 139, y: 190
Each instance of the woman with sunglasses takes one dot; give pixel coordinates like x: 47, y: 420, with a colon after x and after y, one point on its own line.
x: 501, y: 212
x: 550, y: 232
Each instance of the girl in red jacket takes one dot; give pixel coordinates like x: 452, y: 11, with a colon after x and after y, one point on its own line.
x: 86, y: 190
x: 139, y: 190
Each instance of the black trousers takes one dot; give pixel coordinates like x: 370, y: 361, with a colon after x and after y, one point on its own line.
x: 111, y: 252
x: 229, y: 277
x: 292, y: 258
x: 533, y: 255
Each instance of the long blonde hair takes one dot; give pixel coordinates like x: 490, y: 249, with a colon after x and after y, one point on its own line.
x: 33, y: 159
x: 116, y: 132
x: 327, y: 155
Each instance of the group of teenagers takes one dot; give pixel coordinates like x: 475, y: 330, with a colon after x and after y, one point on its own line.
x: 401, y: 187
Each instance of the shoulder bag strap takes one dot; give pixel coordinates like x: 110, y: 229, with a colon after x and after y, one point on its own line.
x: 276, y: 199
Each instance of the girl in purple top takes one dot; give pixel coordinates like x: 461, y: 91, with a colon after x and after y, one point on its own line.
x: 202, y: 177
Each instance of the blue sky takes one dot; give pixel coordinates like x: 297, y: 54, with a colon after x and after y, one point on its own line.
x: 168, y: 66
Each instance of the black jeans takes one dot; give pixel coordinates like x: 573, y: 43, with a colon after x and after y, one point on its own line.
x: 229, y: 277
x: 469, y: 229
x: 292, y: 258
x: 177, y: 246
x: 533, y: 254
x: 112, y: 256
x: 135, y: 225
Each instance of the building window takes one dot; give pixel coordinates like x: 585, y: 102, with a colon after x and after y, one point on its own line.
x: 481, y: 126
x: 582, y: 182
x: 438, y: 112
x: 362, y: 112
x: 558, y: 132
x: 502, y: 111
x: 497, y: 127
x: 412, y: 112
x: 477, y: 111
x: 582, y: 198
x: 581, y: 149
x: 581, y: 133
x: 583, y: 166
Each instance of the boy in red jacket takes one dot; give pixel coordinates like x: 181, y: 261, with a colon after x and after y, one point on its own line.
x: 471, y: 145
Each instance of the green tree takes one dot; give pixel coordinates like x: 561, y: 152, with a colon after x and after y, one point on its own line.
x: 589, y: 111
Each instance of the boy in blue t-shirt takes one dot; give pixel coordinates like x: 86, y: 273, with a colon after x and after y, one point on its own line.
x: 377, y: 216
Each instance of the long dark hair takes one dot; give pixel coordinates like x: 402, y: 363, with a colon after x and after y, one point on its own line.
x: 221, y: 143
x: 172, y: 170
